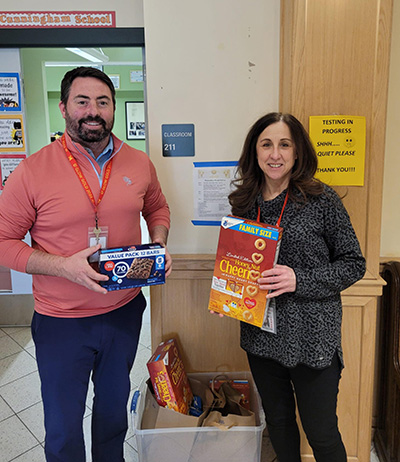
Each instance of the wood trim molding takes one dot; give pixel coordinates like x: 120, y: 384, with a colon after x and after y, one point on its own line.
x: 202, y: 265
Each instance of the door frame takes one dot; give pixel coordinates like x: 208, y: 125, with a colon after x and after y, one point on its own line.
x: 83, y: 37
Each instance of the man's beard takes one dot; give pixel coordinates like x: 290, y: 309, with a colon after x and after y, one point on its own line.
x: 80, y: 133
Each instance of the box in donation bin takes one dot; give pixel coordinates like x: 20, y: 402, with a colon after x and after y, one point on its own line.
x: 169, y: 379
x: 132, y: 266
x: 246, y: 248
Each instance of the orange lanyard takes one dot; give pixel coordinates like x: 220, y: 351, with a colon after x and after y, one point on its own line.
x: 83, y: 180
x: 278, y: 223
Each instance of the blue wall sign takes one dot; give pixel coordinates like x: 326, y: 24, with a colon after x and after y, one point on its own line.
x: 178, y: 140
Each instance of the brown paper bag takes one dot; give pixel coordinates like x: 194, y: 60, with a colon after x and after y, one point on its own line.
x: 216, y: 419
x: 226, y: 411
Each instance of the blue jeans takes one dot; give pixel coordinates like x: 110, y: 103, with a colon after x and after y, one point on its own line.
x: 68, y: 350
x: 315, y: 391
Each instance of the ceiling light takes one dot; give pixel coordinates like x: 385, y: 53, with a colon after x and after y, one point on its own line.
x: 92, y: 54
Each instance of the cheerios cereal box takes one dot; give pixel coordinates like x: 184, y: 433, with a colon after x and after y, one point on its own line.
x: 246, y: 248
x: 169, y: 379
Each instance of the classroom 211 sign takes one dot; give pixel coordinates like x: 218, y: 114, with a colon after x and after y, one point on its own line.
x: 339, y: 142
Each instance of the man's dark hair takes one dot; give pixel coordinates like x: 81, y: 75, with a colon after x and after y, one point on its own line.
x: 82, y: 71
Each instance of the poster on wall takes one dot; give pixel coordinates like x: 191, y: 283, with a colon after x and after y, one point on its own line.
x: 339, y: 142
x: 115, y: 79
x: 8, y: 163
x: 212, y: 183
x: 136, y: 76
x: 135, y: 124
x: 12, y: 136
x: 10, y: 92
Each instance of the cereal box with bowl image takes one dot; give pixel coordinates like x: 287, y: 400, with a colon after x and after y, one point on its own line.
x: 246, y: 248
x: 132, y: 266
x: 168, y: 377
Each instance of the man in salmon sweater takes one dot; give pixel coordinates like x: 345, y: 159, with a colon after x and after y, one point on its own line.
x: 86, y: 184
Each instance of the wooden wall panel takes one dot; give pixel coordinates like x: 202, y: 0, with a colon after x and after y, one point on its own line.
x: 16, y: 310
x: 334, y: 60
x: 180, y: 309
x: 354, y: 409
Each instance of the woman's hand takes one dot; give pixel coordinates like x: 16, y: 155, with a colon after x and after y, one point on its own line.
x: 279, y: 280
x: 219, y: 314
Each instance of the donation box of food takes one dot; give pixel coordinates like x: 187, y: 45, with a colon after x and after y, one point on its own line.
x: 163, y: 434
x: 246, y: 248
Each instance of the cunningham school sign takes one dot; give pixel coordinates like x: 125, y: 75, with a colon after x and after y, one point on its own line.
x: 52, y: 19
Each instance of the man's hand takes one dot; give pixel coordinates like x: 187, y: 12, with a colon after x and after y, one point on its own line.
x: 159, y: 235
x: 75, y: 268
x: 168, y: 263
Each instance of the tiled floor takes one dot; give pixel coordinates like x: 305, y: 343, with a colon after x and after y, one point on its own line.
x: 21, y: 414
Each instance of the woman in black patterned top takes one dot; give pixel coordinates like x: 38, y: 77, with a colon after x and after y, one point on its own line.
x: 301, y: 361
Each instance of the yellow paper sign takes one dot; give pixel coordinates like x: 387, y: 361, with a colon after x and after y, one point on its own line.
x: 12, y: 137
x: 340, y: 145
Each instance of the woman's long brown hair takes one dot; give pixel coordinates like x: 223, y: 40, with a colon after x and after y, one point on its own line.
x: 250, y: 179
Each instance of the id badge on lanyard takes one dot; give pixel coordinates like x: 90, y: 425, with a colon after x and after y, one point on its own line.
x: 269, y: 322
x: 96, y: 234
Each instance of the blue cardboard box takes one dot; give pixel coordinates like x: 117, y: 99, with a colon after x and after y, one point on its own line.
x: 133, y: 266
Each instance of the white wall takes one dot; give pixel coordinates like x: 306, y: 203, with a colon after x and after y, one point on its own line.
x: 9, y: 60
x: 215, y: 64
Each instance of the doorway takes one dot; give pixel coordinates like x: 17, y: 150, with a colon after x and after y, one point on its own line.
x: 38, y: 45
x: 40, y: 49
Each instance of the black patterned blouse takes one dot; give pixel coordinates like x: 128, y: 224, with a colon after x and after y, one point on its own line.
x: 320, y: 244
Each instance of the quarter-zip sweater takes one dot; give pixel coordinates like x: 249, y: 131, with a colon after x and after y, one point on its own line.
x: 45, y: 197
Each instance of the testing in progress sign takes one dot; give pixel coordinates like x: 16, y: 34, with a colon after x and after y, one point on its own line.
x: 340, y: 145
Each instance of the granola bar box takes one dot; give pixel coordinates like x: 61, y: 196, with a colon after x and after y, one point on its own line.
x: 245, y: 249
x: 168, y: 377
x: 133, y: 266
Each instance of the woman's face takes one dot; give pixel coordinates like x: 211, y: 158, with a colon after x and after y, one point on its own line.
x: 276, y: 154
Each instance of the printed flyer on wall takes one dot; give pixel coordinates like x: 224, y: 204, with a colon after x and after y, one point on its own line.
x: 339, y: 141
x: 8, y: 163
x: 12, y: 136
x: 212, y: 185
x: 10, y: 92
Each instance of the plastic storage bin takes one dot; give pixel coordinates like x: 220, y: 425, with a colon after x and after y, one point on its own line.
x: 199, y: 444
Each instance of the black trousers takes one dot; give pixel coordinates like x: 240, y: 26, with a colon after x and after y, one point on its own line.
x: 315, y: 391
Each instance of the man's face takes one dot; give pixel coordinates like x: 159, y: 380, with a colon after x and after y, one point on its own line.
x: 89, y: 112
